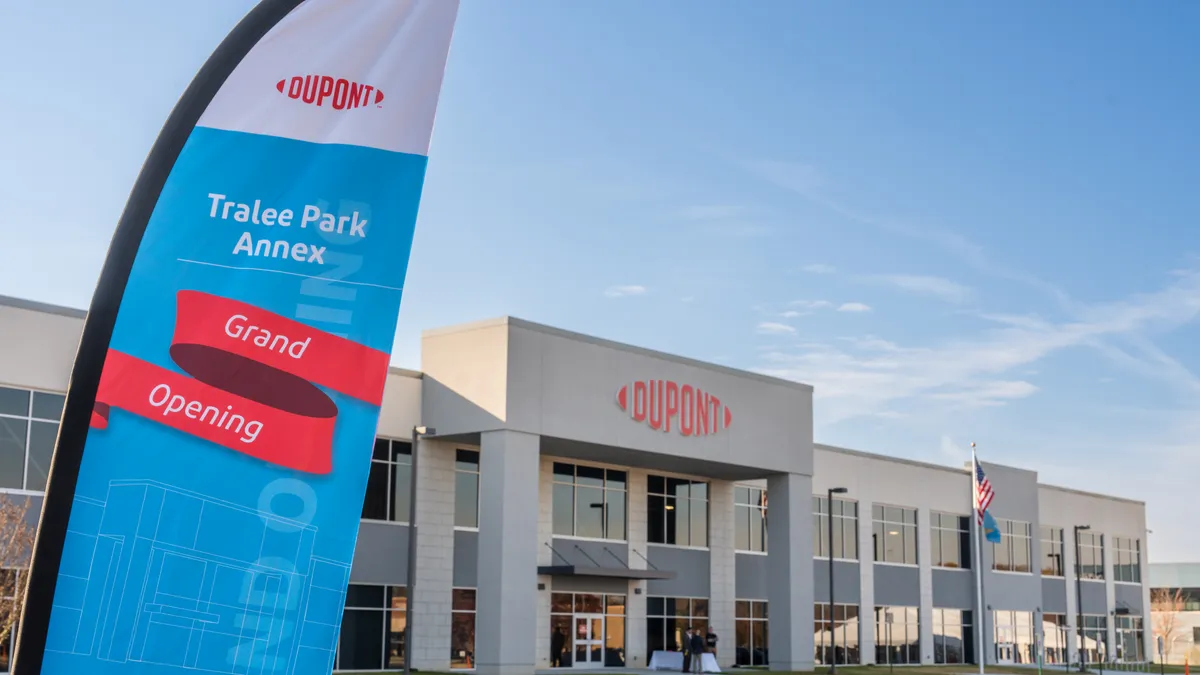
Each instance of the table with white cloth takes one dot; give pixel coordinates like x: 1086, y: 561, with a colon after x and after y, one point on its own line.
x: 661, y: 660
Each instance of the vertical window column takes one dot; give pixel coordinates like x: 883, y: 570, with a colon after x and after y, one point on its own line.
x: 28, y: 429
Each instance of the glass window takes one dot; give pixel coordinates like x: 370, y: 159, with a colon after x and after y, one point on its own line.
x: 1052, y: 551
x: 28, y: 429
x: 950, y: 540
x: 1094, y: 638
x: 667, y: 621
x: 894, y: 534
x: 1054, y: 637
x: 953, y: 636
x: 1127, y: 565
x: 836, y: 639
x: 1012, y: 637
x: 1014, y: 551
x: 589, y: 502
x: 466, y: 488
x: 678, y: 511
x: 897, y: 635
x: 372, y: 635
x: 750, y: 633
x: 462, y: 626
x: 750, y: 519
x: 845, y: 528
x: 388, y: 496
x: 1091, y: 555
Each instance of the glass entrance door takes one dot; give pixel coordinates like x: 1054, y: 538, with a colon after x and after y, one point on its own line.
x: 1005, y: 647
x: 589, y: 640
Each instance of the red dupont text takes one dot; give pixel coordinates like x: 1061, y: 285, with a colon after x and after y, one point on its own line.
x: 665, y: 406
x: 335, y: 92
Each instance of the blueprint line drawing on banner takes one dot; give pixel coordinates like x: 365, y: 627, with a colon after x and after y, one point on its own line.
x: 172, y: 592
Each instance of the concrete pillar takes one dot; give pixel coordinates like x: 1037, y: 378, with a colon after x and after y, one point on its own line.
x: 790, y: 573
x: 1072, y: 597
x: 866, y: 579
x: 723, y: 571
x: 545, y: 535
x: 635, y: 600
x: 925, y: 578
x: 506, y: 614
x: 432, y: 593
x: 1148, y: 637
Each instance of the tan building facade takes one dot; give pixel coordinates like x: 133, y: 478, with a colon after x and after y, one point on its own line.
x: 582, y: 503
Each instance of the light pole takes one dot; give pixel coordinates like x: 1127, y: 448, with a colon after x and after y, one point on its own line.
x: 832, y: 624
x: 417, y: 433
x: 1079, y: 595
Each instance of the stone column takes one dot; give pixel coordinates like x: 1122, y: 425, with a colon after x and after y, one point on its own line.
x: 866, y: 579
x: 545, y: 535
x: 432, y: 593
x: 790, y: 573
x: 722, y: 593
x: 635, y: 600
x: 925, y: 578
x: 506, y: 608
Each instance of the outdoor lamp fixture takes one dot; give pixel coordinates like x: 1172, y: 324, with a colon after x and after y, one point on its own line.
x: 832, y: 629
x: 1079, y: 595
x: 417, y: 433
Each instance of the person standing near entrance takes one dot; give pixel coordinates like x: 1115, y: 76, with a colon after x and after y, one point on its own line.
x: 697, y: 652
x: 687, y: 651
x: 712, y: 641
x: 557, y: 642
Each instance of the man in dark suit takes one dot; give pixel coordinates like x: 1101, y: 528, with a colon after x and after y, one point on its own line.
x: 687, y: 651
x: 697, y: 652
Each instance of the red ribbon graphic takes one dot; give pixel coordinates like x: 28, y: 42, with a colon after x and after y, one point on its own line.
x: 252, y: 385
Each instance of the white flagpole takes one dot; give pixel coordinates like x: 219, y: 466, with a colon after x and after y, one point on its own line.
x: 980, y: 621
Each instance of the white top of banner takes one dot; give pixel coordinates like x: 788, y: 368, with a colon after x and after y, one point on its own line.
x: 357, y: 72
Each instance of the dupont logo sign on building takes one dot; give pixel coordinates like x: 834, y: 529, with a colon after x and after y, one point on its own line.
x: 672, y: 407
x: 330, y: 92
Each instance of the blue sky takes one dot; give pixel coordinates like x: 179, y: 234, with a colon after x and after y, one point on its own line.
x: 959, y: 222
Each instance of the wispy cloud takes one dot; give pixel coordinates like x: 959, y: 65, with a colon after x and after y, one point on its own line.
x: 865, y: 376
x: 713, y: 211
x: 790, y: 314
x: 818, y: 268
x: 774, y: 328
x: 853, y: 307
x: 936, y: 286
x: 624, y: 291
x: 811, y: 304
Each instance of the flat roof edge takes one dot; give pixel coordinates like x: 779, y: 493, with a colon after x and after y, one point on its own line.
x: 405, y: 372
x: 613, y: 344
x: 1097, y: 495
x: 890, y: 458
x: 43, y: 307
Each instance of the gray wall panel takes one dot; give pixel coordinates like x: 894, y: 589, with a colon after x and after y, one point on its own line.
x: 1054, y: 595
x: 690, y: 566
x: 954, y: 589
x: 589, y: 585
x: 1129, y: 596
x: 466, y: 559
x: 845, y: 579
x: 1092, y: 593
x: 895, y: 585
x: 1017, y: 592
x: 381, y: 554
x: 750, y: 580
x: 591, y: 553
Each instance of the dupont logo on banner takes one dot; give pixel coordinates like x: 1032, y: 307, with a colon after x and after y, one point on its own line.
x: 330, y: 92
x: 673, y: 407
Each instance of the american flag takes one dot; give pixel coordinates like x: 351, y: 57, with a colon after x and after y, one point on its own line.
x: 982, y: 492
